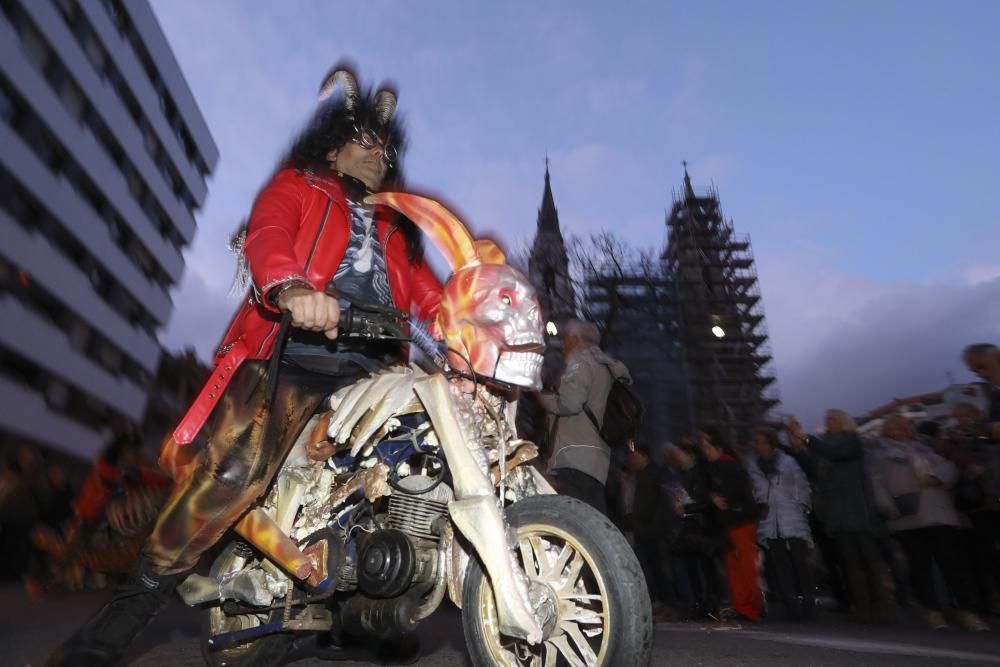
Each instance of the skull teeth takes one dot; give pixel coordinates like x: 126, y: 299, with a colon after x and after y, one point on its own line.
x: 521, y: 357
x: 523, y: 338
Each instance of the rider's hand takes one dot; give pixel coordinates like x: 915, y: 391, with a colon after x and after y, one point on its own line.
x: 719, y: 501
x: 311, y: 310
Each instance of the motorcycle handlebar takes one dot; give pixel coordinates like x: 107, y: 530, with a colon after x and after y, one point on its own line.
x: 378, y: 322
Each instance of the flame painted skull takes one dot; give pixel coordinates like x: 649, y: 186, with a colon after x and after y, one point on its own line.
x: 491, y: 319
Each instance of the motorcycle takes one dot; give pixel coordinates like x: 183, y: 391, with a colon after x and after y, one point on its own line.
x: 413, y: 486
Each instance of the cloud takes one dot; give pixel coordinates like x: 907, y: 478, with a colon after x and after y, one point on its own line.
x: 848, y: 342
x: 204, y: 305
x: 982, y: 273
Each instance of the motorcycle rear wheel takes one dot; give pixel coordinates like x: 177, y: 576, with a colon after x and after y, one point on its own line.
x: 266, y: 651
x: 582, y: 568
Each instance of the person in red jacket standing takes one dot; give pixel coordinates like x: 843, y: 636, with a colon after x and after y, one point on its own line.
x: 309, y: 238
x: 728, y: 488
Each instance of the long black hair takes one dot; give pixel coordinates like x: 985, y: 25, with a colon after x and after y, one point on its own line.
x: 334, y: 124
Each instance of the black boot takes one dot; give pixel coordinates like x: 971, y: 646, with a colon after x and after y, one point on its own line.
x: 104, y: 639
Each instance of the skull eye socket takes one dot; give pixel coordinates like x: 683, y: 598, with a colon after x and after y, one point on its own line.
x: 506, y: 298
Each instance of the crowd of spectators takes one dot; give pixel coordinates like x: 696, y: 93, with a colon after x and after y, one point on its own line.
x: 905, y: 516
x: 781, y: 524
x: 57, y: 535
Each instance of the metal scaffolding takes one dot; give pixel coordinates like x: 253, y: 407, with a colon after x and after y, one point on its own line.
x: 721, y: 326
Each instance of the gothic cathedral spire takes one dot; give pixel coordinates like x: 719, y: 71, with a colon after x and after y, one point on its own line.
x: 548, y: 263
x: 548, y: 270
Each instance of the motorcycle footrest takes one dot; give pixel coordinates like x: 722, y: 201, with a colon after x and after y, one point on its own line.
x: 237, y: 637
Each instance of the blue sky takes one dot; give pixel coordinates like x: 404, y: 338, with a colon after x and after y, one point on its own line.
x: 857, y: 143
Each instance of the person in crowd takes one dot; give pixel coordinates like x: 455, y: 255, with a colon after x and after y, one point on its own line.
x: 849, y: 513
x: 983, y: 359
x: 311, y: 237
x: 54, y: 512
x: 23, y: 492
x: 780, y: 485
x: 698, y: 543
x: 726, y: 485
x: 911, y: 485
x: 621, y: 502
x: 580, y: 458
x: 968, y: 445
x: 651, y: 524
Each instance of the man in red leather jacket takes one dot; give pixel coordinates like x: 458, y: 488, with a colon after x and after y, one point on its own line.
x: 309, y: 229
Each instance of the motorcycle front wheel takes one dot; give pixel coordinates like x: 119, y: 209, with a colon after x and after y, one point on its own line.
x: 585, y: 580
x: 265, y: 651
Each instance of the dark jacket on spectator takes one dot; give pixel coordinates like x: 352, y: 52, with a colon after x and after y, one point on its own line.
x: 652, y: 509
x: 844, y: 488
x: 726, y: 477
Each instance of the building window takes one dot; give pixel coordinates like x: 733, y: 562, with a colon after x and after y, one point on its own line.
x: 26, y: 210
x: 79, y: 335
x: 82, y: 337
x: 117, y: 14
x: 120, y: 18
x: 34, y: 45
x: 7, y: 108
x: 73, y: 99
x: 22, y: 371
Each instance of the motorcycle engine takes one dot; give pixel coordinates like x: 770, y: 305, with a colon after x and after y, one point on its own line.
x: 393, y: 559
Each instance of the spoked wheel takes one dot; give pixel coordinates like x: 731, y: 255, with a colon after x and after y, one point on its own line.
x: 266, y: 651
x: 584, y: 582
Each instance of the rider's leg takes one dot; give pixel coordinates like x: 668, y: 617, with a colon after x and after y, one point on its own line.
x: 246, y: 446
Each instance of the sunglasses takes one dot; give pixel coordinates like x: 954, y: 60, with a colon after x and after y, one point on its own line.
x: 368, y: 139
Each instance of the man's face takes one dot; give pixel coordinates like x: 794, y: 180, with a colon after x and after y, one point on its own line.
x: 761, y: 446
x: 364, y: 164
x: 986, y: 366
x: 832, y: 423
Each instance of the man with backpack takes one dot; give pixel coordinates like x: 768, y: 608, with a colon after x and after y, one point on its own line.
x: 580, y: 455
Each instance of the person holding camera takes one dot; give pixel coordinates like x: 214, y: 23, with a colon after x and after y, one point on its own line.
x: 911, y: 484
x: 781, y: 487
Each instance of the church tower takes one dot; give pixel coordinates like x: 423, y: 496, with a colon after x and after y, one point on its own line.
x: 722, y: 331
x: 548, y: 270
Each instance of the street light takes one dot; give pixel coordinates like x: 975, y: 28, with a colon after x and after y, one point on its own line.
x: 718, y: 331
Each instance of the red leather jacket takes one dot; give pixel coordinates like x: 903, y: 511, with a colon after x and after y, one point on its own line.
x: 298, y: 230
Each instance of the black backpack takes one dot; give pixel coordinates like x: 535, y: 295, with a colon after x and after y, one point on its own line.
x: 622, y: 416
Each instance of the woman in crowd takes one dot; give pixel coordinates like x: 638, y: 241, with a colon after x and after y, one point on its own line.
x: 781, y: 487
x: 849, y: 512
x: 969, y: 444
x: 699, y: 538
x: 726, y: 485
x: 911, y: 485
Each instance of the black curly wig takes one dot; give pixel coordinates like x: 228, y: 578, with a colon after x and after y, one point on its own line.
x: 333, y: 125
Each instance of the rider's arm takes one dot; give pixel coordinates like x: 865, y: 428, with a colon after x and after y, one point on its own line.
x: 273, y: 226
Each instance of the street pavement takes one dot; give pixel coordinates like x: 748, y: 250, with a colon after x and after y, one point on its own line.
x: 28, y: 631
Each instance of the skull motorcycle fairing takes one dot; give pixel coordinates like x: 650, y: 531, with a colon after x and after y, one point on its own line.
x: 491, y: 322
x: 490, y: 317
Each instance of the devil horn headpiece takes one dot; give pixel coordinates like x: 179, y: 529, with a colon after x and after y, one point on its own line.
x: 385, y: 105
x: 338, y: 74
x: 443, y: 228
